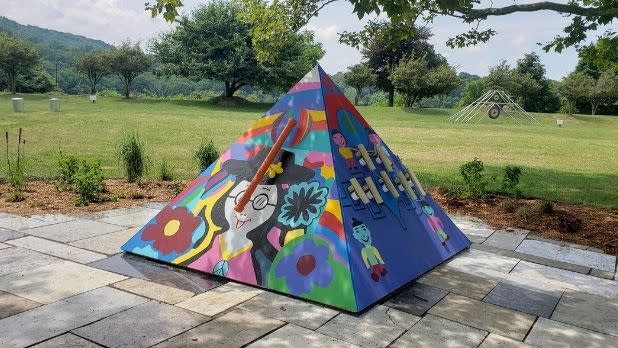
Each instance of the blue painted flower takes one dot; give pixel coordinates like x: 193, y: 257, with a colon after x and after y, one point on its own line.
x: 302, y: 204
x: 305, y: 265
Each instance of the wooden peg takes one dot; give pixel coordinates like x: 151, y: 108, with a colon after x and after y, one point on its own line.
x: 389, y: 184
x: 365, y: 155
x: 374, y: 190
x: 417, y: 183
x: 358, y: 189
x: 404, y: 182
x: 384, y: 158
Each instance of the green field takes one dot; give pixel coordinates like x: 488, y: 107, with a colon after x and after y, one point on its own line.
x: 577, y: 163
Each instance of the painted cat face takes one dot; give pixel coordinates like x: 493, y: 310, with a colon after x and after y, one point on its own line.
x: 258, y: 210
x: 362, y: 234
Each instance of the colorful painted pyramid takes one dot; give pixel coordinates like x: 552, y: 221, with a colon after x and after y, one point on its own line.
x: 336, y: 217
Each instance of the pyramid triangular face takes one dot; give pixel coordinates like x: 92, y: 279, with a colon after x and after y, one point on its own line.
x: 337, y: 218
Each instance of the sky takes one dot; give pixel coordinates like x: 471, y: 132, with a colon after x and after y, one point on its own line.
x: 116, y: 20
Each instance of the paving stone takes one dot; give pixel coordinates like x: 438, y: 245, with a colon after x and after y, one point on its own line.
x: 377, y: 327
x: 532, y: 258
x: 557, y: 242
x: 568, y: 254
x: 588, y: 311
x: 8, y: 234
x: 550, y: 333
x: 523, y: 299
x: 11, y: 304
x: 296, y: 336
x: 416, y: 299
x: 136, y: 219
x: 59, y: 280
x: 113, y: 212
x: 47, y: 321
x: 553, y: 277
x: 73, y: 230
x: 54, y: 218
x: 506, y: 239
x: 473, y: 259
x: 596, y: 250
x: 219, y: 299
x: 67, y: 341
x: 234, y: 329
x: 108, y: 243
x: 474, y: 228
x: 602, y: 274
x: 57, y: 249
x: 155, y: 205
x: 142, y: 268
x: 4, y: 246
x: 13, y: 260
x: 475, y: 239
x: 141, y: 326
x: 18, y: 223
x: 155, y: 291
x: 434, y: 331
x: 497, y: 341
x: 484, y: 316
x: 288, y: 309
x: 458, y: 282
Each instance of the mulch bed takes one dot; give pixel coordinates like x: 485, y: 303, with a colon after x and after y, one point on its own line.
x: 598, y: 226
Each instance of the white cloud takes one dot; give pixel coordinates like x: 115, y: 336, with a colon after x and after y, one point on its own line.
x: 323, y: 33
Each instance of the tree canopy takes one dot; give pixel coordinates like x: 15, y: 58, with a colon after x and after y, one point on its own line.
x: 94, y: 65
x: 16, y: 57
x: 574, y: 87
x: 128, y: 61
x: 214, y: 43
x: 359, y: 76
x: 273, y: 21
x: 416, y: 79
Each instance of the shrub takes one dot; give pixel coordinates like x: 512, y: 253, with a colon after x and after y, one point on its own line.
x: 508, y: 206
x: 67, y: 167
x: 136, y: 195
x: 544, y: 207
x: 523, y: 212
x: 206, y: 154
x: 16, y: 168
x: 165, y: 172
x: 88, y: 182
x: 510, y: 180
x: 133, y: 157
x: 569, y: 223
x: 473, y: 177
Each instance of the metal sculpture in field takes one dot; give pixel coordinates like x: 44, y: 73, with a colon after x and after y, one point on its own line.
x: 493, y: 104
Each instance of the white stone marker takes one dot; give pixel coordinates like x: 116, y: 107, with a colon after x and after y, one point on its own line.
x: 93, y: 98
x: 54, y: 105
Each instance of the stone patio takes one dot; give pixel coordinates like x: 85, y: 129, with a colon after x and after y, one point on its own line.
x: 64, y: 282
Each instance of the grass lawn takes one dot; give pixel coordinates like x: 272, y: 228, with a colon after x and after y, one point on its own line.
x: 577, y: 163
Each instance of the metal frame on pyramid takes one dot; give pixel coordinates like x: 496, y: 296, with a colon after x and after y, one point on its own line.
x: 308, y: 202
x: 492, y: 104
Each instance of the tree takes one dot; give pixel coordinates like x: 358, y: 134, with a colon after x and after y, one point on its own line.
x: 213, y: 43
x: 385, y: 48
x: 359, y: 76
x: 16, y: 57
x: 274, y: 21
x: 472, y: 91
x: 415, y: 79
x: 603, y: 91
x: 599, y: 57
x: 94, y: 65
x: 542, y: 99
x: 128, y: 61
x: 575, y: 87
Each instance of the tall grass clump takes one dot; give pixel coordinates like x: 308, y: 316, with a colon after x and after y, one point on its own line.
x: 165, y: 172
x: 474, y: 178
x: 206, y: 154
x: 133, y: 157
x: 510, y: 180
x: 67, y: 167
x: 88, y: 182
x: 16, y: 168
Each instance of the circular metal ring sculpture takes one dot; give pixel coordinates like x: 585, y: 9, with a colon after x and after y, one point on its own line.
x: 494, y: 112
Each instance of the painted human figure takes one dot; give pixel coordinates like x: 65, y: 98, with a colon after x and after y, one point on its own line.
x: 376, y: 141
x: 370, y: 254
x: 434, y: 222
x: 345, y: 152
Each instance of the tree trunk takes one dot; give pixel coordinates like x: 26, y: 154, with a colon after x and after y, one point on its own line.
x: 231, y: 88
x: 127, y: 88
x: 391, y: 97
x: 594, y: 106
x: 93, y: 89
x: 13, y: 82
x: 356, y: 97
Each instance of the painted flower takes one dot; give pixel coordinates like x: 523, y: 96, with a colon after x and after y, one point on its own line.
x: 306, y: 265
x: 302, y: 204
x: 172, y: 230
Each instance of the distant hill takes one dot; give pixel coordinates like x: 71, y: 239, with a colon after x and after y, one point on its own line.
x: 52, y: 45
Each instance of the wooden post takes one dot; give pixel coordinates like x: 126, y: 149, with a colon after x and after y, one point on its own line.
x: 264, y: 167
x: 389, y: 184
x: 356, y: 187
x: 366, y: 157
x: 374, y: 190
x: 404, y: 182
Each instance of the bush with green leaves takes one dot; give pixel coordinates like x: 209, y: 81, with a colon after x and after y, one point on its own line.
x: 133, y: 157
x: 544, y: 207
x: 474, y: 178
x: 67, y: 167
x: 88, y: 182
x: 510, y: 180
x: 16, y: 168
x: 206, y: 154
x: 165, y: 172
